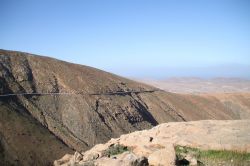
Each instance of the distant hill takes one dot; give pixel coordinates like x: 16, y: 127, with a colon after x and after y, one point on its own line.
x: 49, y: 105
x: 193, y: 85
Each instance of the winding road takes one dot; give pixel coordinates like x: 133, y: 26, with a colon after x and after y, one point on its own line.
x: 105, y: 93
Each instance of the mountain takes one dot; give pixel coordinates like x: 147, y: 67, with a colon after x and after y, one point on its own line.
x: 60, y: 106
x: 173, y: 143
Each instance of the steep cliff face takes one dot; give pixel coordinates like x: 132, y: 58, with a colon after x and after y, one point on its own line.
x: 81, y: 106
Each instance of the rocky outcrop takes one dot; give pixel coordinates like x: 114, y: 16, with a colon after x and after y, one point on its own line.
x: 156, y: 146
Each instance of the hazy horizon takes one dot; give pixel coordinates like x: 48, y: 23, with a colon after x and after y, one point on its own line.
x: 140, y: 39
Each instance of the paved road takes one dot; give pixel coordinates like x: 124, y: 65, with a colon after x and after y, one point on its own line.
x: 105, y: 93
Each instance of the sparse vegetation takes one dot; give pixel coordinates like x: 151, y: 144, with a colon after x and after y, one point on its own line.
x: 115, y: 149
x: 212, y: 157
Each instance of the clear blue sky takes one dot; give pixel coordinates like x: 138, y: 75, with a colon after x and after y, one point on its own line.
x: 134, y: 38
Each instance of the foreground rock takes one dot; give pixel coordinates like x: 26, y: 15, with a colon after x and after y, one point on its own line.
x: 156, y: 146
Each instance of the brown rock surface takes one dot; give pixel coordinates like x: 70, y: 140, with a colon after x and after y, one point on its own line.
x: 206, y: 135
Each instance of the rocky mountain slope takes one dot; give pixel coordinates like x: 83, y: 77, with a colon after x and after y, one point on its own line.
x: 68, y: 106
x: 157, y: 146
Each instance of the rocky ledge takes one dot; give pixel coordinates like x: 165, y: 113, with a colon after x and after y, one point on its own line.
x: 157, y: 146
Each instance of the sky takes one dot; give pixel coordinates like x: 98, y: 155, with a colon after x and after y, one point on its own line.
x: 134, y: 38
